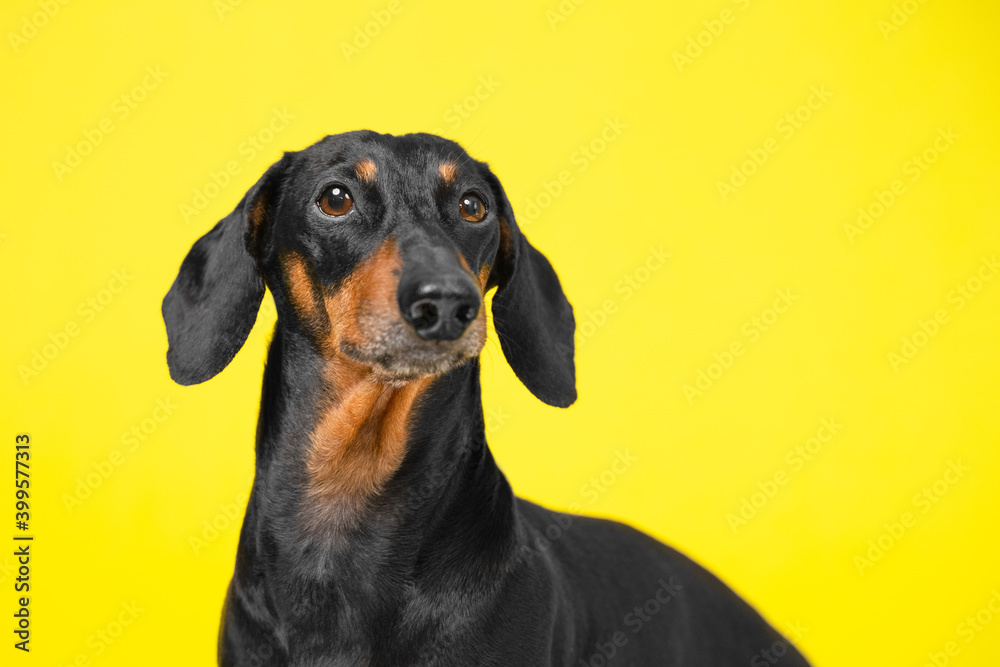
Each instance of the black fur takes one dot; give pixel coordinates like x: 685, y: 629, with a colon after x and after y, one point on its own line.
x: 447, y: 566
x: 534, y: 321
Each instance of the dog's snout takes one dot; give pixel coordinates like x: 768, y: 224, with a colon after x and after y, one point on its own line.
x: 440, y: 308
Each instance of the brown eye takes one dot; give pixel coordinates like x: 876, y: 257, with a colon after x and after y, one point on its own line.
x: 472, y: 207
x: 335, y: 201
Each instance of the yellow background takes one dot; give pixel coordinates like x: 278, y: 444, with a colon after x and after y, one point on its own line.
x: 655, y: 185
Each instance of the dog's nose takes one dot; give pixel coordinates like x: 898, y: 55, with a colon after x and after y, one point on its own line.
x: 442, y: 308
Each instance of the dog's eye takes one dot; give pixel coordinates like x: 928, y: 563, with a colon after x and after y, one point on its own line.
x: 336, y: 200
x: 472, y: 207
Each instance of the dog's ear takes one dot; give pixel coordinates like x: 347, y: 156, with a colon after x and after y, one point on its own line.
x: 533, y: 319
x: 212, y: 305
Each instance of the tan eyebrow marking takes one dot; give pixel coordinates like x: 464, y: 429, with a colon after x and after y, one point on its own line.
x: 448, y: 171
x: 366, y: 170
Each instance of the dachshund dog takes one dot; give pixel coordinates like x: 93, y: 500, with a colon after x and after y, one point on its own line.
x: 379, y: 530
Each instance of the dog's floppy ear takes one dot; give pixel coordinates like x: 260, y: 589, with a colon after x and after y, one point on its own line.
x: 212, y: 305
x: 533, y: 318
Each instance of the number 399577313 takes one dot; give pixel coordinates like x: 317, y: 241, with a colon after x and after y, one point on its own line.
x: 22, y: 481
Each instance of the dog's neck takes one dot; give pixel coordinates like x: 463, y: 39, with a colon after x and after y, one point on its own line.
x: 388, y: 476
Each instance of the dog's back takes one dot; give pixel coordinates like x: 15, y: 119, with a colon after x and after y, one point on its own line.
x: 628, y: 599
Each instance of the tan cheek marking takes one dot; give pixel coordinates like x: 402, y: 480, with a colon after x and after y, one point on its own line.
x: 360, y: 438
x: 368, y: 293
x: 341, y: 307
x: 366, y: 171
x: 298, y: 284
x: 256, y: 220
x: 481, y: 277
x: 506, y: 238
x: 477, y: 330
x: 381, y: 280
x: 303, y: 296
x: 448, y: 171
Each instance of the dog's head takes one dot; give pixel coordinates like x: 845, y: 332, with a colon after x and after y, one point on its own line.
x: 378, y: 248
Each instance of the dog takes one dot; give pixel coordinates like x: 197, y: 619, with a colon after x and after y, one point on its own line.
x: 379, y: 530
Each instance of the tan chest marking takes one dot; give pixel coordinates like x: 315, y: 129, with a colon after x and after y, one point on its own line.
x: 360, y: 439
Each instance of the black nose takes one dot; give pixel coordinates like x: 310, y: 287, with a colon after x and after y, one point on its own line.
x: 440, y: 308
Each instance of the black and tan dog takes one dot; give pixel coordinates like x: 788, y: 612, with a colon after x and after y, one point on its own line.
x: 380, y: 531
